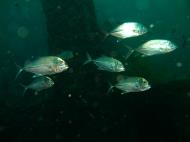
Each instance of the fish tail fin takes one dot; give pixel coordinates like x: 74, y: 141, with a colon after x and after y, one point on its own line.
x: 130, y: 52
x: 25, y: 88
x: 19, y: 72
x: 89, y: 59
x: 105, y: 35
x: 110, y: 88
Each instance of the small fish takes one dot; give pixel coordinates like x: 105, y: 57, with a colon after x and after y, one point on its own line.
x: 66, y: 55
x: 156, y: 46
x: 106, y: 63
x: 132, y: 84
x: 47, y: 65
x: 153, y: 47
x: 39, y: 84
x: 129, y: 29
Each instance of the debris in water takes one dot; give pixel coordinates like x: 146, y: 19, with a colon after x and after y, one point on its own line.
x: 23, y: 32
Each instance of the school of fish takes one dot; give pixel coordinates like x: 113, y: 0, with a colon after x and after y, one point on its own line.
x: 44, y: 67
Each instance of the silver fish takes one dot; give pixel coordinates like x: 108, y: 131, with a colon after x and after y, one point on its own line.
x: 39, y: 84
x: 47, y: 65
x: 129, y: 29
x: 156, y: 46
x: 152, y: 47
x: 132, y: 84
x: 106, y: 63
x: 66, y: 55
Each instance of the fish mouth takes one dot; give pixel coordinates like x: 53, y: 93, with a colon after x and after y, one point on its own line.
x: 143, y: 31
x: 171, y: 49
x: 63, y: 68
x: 148, y: 87
x: 122, y: 68
x: 66, y: 66
x: 145, y: 88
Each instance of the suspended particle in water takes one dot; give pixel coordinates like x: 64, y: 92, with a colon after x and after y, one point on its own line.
x: 125, y: 116
x: 95, y: 104
x: 22, y: 32
x: 70, y: 121
x: 179, y: 64
x: 151, y: 25
x: 61, y: 112
x: 188, y: 94
x: 104, y: 130
x: 76, y: 54
x: 59, y: 7
x: 186, y: 115
x: 2, y: 128
x: 91, y: 115
x: 8, y: 52
x: 58, y: 136
x: 35, y: 93
x: 188, y: 39
x: 84, y: 101
x: 69, y: 95
x: 40, y: 118
x: 57, y: 119
x: 78, y: 135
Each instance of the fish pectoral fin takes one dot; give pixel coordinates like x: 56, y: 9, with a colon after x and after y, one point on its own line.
x: 36, y: 75
x: 122, y: 93
x: 143, y: 55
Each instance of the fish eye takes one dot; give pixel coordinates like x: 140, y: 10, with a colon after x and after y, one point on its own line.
x: 144, y: 82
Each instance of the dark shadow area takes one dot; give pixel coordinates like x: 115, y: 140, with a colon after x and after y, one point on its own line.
x: 161, y: 114
x: 71, y: 25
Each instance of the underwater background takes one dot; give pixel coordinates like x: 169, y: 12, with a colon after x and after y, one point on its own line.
x: 78, y: 108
